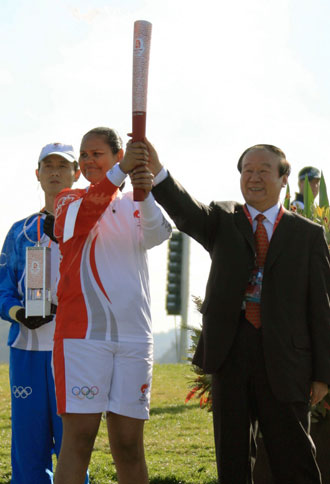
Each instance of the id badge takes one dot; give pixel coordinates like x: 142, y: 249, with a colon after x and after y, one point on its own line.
x: 253, y: 291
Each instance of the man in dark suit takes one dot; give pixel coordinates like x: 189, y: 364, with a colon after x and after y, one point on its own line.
x: 271, y: 362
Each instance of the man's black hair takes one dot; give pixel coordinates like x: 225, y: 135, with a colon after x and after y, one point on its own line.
x: 284, y: 166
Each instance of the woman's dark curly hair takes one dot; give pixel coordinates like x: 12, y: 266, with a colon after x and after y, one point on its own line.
x: 111, y: 137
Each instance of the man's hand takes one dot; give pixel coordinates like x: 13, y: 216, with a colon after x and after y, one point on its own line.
x: 141, y: 177
x: 136, y: 155
x: 318, y: 391
x: 32, y: 322
x: 153, y: 161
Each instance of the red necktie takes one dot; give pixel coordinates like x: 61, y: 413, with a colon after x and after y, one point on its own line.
x: 252, y: 310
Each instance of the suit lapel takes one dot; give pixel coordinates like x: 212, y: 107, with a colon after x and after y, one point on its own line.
x: 279, y: 239
x: 245, y: 228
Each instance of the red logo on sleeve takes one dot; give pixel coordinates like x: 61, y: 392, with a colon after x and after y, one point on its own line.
x: 144, y: 387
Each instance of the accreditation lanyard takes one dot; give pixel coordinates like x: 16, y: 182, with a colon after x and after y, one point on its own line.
x: 253, y: 290
x: 39, y: 231
x: 278, y: 218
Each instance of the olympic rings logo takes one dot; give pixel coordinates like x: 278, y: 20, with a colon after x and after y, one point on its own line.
x: 21, y: 392
x: 85, y: 392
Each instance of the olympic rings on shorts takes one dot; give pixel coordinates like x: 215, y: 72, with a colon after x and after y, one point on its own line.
x: 85, y: 391
x: 21, y: 392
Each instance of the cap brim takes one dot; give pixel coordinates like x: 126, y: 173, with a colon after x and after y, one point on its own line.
x: 310, y: 177
x: 66, y: 156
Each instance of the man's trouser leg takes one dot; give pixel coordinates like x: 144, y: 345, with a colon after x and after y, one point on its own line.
x: 32, y: 439
x: 241, y: 394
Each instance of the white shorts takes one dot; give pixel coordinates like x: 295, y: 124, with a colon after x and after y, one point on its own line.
x: 101, y: 376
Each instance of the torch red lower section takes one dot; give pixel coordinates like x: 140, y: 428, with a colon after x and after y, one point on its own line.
x: 139, y: 132
x: 139, y: 125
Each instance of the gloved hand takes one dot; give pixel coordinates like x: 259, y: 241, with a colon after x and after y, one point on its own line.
x: 32, y: 322
x: 49, y: 227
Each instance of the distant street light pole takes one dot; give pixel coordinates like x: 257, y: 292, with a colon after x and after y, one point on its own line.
x: 177, y: 296
x: 184, y: 297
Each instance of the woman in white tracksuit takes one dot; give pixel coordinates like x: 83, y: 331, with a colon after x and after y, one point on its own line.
x: 103, y: 349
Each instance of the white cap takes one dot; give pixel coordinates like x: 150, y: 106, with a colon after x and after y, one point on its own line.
x: 65, y: 151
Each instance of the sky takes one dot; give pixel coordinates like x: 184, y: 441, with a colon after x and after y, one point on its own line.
x: 223, y: 76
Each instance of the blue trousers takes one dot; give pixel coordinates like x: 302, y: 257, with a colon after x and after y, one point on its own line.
x: 36, y: 428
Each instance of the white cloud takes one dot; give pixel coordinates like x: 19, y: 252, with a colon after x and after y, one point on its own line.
x: 6, y: 77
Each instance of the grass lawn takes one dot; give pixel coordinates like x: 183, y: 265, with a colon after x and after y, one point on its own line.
x: 178, y: 438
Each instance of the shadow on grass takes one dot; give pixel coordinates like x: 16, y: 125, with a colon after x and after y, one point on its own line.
x: 173, y: 409
x: 153, y: 480
x: 172, y: 480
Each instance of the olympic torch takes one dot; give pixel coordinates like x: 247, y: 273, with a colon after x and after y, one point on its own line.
x: 141, y: 51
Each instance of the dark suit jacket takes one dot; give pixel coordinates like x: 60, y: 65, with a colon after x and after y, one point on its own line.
x: 295, y: 301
